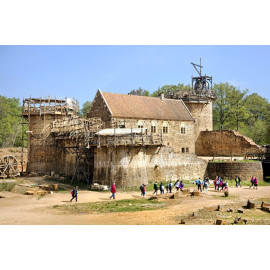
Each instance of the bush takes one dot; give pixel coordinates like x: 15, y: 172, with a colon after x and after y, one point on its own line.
x: 226, y: 193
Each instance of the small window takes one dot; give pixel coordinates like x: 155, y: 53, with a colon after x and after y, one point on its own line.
x: 165, y: 128
x: 122, y: 124
x: 183, y: 150
x: 153, y: 127
x: 187, y: 150
x: 183, y: 128
x: 140, y: 124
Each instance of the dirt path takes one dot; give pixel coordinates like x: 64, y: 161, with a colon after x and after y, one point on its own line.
x: 22, y: 209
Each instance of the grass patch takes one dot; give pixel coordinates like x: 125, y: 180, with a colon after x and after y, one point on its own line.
x: 222, y: 197
x: 8, y: 186
x: 132, y: 205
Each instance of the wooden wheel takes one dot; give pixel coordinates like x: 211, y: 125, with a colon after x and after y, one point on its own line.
x: 8, y: 166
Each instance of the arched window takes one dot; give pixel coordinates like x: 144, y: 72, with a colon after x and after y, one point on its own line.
x: 140, y: 124
x: 153, y: 127
x: 183, y: 128
x: 165, y: 127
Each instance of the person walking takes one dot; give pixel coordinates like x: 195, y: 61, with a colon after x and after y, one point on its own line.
x: 239, y: 181
x: 155, y: 188
x: 215, y: 183
x: 142, y: 189
x: 206, y: 185
x: 221, y: 184
x: 161, y: 188
x: 236, y: 181
x: 199, y: 184
x: 176, y: 185
x: 170, y: 186
x: 226, y: 187
x: 252, y: 182
x: 113, y: 191
x: 256, y: 183
x: 181, y: 185
x: 167, y: 187
x: 203, y: 184
x: 74, y: 194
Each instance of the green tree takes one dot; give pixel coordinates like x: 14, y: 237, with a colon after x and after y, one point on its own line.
x: 85, y: 108
x: 171, y: 88
x: 139, y: 92
x: 223, y: 104
x: 257, y: 123
x: 10, y: 122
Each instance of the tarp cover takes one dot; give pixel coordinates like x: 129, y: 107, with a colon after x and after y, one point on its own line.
x: 121, y: 131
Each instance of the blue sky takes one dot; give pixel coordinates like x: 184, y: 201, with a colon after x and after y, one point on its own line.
x: 78, y: 71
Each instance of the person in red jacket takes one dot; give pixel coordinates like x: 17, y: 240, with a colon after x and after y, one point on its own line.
x: 256, y: 183
x: 113, y: 190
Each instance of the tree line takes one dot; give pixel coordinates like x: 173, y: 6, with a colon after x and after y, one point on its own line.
x: 234, y: 109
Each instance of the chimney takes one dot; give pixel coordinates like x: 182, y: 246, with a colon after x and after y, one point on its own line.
x: 162, y: 96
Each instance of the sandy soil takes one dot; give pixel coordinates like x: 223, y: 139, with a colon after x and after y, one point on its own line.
x: 22, y: 209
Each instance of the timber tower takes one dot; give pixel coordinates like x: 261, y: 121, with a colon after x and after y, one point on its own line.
x: 198, y: 99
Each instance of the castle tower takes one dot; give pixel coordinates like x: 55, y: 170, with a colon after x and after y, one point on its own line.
x: 199, y: 100
x: 40, y: 113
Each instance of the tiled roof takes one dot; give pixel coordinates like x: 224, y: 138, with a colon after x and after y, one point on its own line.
x: 140, y: 107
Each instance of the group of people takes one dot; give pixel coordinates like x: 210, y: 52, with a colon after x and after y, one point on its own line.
x: 254, y: 183
x: 220, y: 184
x: 203, y: 185
x: 169, y: 186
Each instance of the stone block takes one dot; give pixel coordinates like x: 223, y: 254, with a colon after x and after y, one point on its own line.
x: 195, y: 193
x: 219, y: 222
x: 250, y: 204
x: 264, y: 204
x: 240, y: 211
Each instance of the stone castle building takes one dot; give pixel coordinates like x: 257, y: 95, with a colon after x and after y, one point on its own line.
x: 128, y: 139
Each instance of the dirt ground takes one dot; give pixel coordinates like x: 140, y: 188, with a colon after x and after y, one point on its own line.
x: 20, y: 209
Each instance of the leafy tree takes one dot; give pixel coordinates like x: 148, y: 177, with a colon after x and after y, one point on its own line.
x: 85, y: 108
x: 257, y: 123
x: 139, y: 92
x: 223, y: 104
x: 170, y: 88
x: 10, y: 122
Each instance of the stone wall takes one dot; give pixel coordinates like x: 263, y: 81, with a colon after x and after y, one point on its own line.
x: 42, y: 150
x: 229, y: 170
x: 100, y: 109
x: 132, y: 166
x: 202, y: 113
x: 224, y: 143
